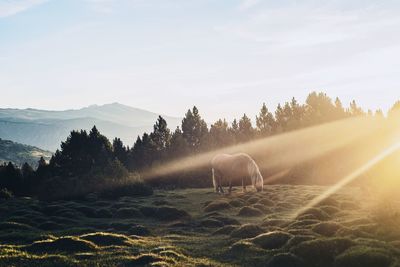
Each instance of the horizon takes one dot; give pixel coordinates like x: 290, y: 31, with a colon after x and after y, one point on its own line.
x: 221, y: 57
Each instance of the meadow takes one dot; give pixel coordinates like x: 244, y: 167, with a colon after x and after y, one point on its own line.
x: 197, y: 227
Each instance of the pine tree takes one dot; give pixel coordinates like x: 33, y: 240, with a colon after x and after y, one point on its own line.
x: 246, y: 131
x: 178, y: 146
x: 234, y: 131
x: 320, y: 109
x: 355, y: 110
x: 194, y: 129
x: 394, y: 110
x: 160, y: 137
x: 281, y: 120
x: 265, y: 121
x: 379, y: 114
x: 120, y: 151
x: 340, y: 113
x: 26, y: 170
x: 220, y: 135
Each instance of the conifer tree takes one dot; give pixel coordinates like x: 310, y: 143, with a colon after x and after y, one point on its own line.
x: 194, y: 129
x: 246, y: 131
x: 265, y: 121
x: 120, y: 151
x: 178, y: 146
x: 220, y: 135
x: 160, y: 137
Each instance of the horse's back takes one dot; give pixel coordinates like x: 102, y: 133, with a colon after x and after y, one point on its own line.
x: 232, y: 165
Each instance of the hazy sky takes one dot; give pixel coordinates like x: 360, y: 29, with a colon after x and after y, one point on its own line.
x: 226, y: 57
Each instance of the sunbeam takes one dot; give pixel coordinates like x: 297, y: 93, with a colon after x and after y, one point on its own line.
x: 349, y: 178
x: 281, y: 152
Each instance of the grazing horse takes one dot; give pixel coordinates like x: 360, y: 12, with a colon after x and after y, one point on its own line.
x: 234, y: 168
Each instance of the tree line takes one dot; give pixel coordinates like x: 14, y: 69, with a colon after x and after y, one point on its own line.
x: 88, y: 159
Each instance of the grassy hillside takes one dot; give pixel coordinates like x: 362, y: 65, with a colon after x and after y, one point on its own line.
x: 196, y: 227
x: 20, y: 153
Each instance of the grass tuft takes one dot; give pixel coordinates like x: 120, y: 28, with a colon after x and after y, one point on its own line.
x: 66, y: 244
x: 272, y: 240
x: 363, y: 257
x: 106, y: 239
x: 250, y: 212
x: 247, y: 231
x: 217, y: 205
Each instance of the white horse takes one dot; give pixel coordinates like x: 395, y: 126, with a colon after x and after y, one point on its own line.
x: 233, y: 168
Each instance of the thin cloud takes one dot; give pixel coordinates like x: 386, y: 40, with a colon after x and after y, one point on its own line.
x: 102, y: 6
x: 12, y: 7
x: 246, y: 4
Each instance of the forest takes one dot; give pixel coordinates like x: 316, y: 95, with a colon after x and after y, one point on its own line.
x: 88, y: 162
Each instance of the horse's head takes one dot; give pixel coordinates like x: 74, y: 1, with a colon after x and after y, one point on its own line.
x: 257, y: 180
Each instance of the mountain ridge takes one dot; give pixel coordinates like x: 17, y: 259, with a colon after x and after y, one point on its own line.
x: 46, y: 128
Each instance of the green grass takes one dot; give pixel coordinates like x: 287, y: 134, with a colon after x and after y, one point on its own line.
x: 196, y: 227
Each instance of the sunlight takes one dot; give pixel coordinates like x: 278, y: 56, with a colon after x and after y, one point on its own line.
x: 282, y: 151
x: 347, y: 179
x: 276, y: 176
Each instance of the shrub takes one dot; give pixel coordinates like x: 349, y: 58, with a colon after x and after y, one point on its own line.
x: 262, y: 208
x: 50, y: 226
x: 316, y: 213
x: 63, y: 244
x: 164, y: 213
x: 253, y: 200
x: 139, y: 230
x: 249, y: 211
x: 8, y: 226
x: 247, y: 231
x: 170, y: 214
x: 225, y: 220
x: 145, y: 260
x: 5, y: 194
x: 127, y: 213
x: 266, y: 202
x: 126, y: 188
x: 211, y: 223
x: 106, y: 239
x: 285, y: 259
x: 226, y: 230
x: 321, y: 252
x: 326, y: 228
x: 271, y: 240
x: 363, y: 257
x: 236, y: 203
x: 217, y: 205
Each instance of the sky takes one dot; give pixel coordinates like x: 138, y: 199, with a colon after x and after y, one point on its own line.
x: 225, y: 57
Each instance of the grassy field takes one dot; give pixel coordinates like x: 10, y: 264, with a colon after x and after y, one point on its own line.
x: 196, y: 227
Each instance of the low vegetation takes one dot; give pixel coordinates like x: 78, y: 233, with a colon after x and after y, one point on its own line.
x: 175, y: 228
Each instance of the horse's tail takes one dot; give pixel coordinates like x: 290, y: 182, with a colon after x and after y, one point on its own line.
x: 213, y: 178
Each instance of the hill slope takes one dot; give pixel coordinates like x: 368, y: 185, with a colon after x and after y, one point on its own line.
x: 195, y: 227
x: 20, y: 153
x: 46, y: 129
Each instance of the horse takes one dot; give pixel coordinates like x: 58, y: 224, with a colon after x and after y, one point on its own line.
x: 233, y: 168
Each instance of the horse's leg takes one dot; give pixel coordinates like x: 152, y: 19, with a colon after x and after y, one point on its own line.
x: 221, y: 190
x: 243, y: 186
x: 230, y: 186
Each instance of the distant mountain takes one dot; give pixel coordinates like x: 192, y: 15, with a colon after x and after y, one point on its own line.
x: 46, y: 129
x: 19, y: 154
